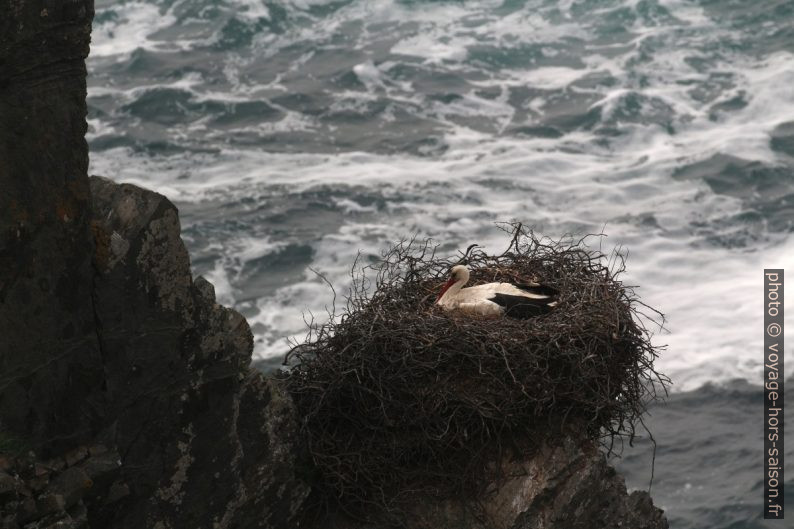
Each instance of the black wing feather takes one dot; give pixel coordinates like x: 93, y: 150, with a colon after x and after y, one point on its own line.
x: 522, y: 307
x: 539, y: 290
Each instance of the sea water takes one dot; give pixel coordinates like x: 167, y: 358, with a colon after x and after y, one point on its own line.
x: 294, y: 134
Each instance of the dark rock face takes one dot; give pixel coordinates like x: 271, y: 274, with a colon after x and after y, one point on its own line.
x: 50, y: 365
x: 54, y: 493
x: 578, y: 489
x: 198, y: 439
x: 203, y: 439
x: 569, y: 486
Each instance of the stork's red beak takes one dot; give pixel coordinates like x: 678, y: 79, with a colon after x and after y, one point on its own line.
x: 446, y: 286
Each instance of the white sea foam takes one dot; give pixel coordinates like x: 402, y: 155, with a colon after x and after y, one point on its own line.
x: 548, y: 78
x: 307, y: 4
x: 224, y: 291
x: 97, y: 127
x: 254, y: 9
x: 428, y: 47
x: 368, y: 74
x: 351, y: 206
x: 187, y: 83
x: 130, y: 29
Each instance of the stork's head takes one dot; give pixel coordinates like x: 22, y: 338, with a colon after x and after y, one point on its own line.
x: 458, y: 275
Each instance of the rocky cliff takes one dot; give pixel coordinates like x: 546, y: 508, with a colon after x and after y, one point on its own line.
x: 126, y: 394
x: 49, y: 344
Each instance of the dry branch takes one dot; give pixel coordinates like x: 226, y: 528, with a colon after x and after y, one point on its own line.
x: 399, y: 399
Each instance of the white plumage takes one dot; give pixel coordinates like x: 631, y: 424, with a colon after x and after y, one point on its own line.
x: 495, y: 299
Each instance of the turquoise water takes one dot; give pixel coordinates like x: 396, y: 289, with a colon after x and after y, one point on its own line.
x: 295, y: 134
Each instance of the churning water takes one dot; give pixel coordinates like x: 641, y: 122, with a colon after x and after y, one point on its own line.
x: 294, y: 133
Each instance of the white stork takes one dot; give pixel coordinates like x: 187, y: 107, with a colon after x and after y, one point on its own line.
x: 519, y: 300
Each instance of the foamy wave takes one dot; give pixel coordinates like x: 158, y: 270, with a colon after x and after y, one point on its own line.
x: 253, y: 9
x: 129, y: 29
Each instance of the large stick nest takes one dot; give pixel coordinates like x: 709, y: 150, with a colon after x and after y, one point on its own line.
x: 399, y: 398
